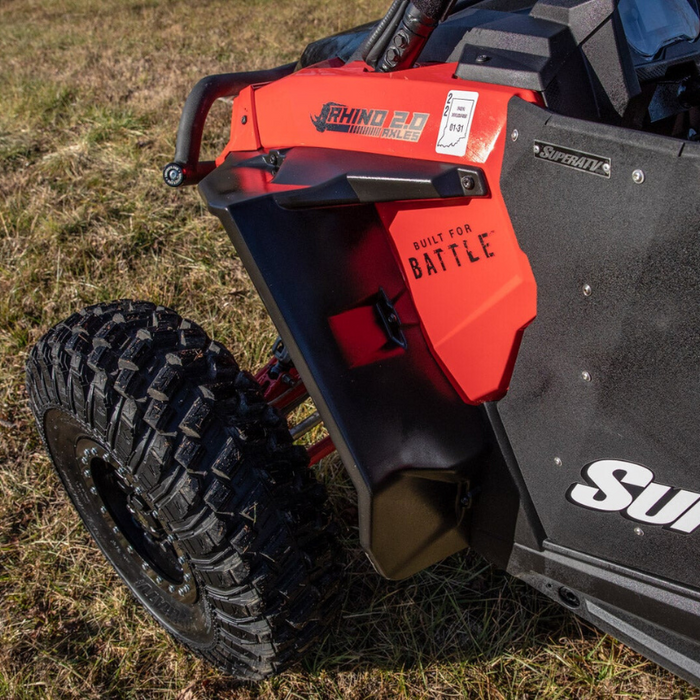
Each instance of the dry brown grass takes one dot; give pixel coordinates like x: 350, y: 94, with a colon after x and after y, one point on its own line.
x: 90, y: 97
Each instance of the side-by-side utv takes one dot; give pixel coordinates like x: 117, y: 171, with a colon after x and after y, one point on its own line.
x: 476, y: 227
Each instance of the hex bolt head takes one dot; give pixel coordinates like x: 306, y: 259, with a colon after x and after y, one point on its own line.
x: 558, y: 462
x: 84, y: 460
x: 187, y: 577
x: 171, y: 538
x: 93, y: 452
x: 138, y: 490
x: 93, y: 491
x: 184, y: 590
x: 181, y: 560
x: 515, y: 134
x: 587, y: 291
x: 171, y: 589
x: 638, y: 176
x: 483, y: 58
x: 586, y: 376
x: 145, y: 566
x: 103, y: 510
x: 115, y: 530
x: 639, y: 532
x: 86, y: 473
x: 159, y: 579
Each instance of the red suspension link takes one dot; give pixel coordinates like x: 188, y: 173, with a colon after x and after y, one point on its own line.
x: 284, y: 390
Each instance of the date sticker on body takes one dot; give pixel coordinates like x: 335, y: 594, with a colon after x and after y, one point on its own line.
x: 456, y: 122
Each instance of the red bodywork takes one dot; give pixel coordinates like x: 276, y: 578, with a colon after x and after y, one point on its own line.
x: 470, y: 282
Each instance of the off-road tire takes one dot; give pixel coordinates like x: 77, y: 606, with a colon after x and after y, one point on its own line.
x: 189, y: 483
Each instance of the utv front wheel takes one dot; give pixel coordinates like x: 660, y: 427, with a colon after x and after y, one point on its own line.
x: 188, y: 481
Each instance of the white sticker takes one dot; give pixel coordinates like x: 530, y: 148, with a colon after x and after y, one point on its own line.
x: 456, y: 122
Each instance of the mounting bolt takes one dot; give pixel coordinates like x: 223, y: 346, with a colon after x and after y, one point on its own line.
x: 638, y: 177
x: 187, y: 577
x: 86, y: 473
x: 137, y: 490
x: 154, y: 513
x: 121, y: 471
x: 171, y: 538
x: 536, y: 149
x: 93, y: 491
x: 145, y: 566
x: 171, y: 589
x: 638, y: 531
x: 558, y: 462
x: 115, y: 530
x: 184, y: 590
x: 181, y: 560
x: 173, y: 175
x: 103, y: 510
x: 586, y: 376
x: 130, y: 549
x: 606, y: 168
x: 514, y: 135
x: 159, y: 579
x: 468, y: 182
x: 84, y: 460
x: 483, y: 58
x: 244, y: 119
x: 93, y: 452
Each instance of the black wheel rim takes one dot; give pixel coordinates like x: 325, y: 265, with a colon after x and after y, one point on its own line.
x: 124, y: 508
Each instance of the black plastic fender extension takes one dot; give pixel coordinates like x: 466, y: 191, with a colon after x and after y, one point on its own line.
x: 412, y: 447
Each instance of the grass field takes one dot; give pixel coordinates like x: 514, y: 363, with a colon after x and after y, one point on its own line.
x: 90, y: 94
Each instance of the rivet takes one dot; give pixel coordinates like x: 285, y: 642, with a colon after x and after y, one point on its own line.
x: 585, y: 376
x: 468, y: 182
x: 558, y: 462
x: 187, y: 577
x: 536, y: 149
x: 514, y: 135
x: 639, y: 531
x: 587, y: 291
x: 638, y: 177
x: 606, y: 167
